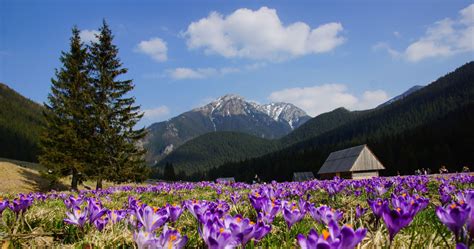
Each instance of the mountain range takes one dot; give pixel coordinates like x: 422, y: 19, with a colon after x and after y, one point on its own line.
x: 227, y: 113
x: 396, y: 132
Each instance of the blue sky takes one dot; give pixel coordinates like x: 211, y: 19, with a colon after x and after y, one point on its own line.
x: 318, y: 55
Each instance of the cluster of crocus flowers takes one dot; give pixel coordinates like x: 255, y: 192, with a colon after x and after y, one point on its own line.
x: 268, y: 210
x: 459, y: 217
x: 232, y: 231
x: 171, y: 239
x: 92, y: 211
x: 146, y: 221
x: 404, y: 209
x: 21, y: 204
x: 335, y: 237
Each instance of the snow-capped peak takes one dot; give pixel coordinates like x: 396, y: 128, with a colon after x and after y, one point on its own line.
x: 232, y: 104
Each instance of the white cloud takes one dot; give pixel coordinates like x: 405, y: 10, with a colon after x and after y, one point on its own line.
x: 371, y: 99
x: 155, y: 47
x: 323, y: 98
x: 156, y: 114
x: 444, y: 38
x: 397, y: 34
x: 185, y: 73
x: 88, y: 36
x: 260, y: 34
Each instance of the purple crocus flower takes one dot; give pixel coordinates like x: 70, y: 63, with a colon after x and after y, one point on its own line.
x: 151, y: 219
x: 197, y: 208
x: 217, y: 236
x: 377, y: 206
x: 95, y: 210
x: 171, y: 239
x: 325, y: 214
x: 235, y: 197
x: 244, y: 229
x: 116, y: 216
x: 314, y: 240
x: 77, y: 217
x: 174, y: 211
x: 241, y: 228
x: 360, y: 211
x: 100, y: 223
x: 144, y: 240
x: 260, y: 230
x: 292, y: 214
x: 347, y: 237
x: 3, y: 205
x: 461, y: 246
x: 396, y: 219
x: 257, y: 200
x: 336, y: 237
x: 454, y: 217
x: 71, y: 202
x: 269, y: 210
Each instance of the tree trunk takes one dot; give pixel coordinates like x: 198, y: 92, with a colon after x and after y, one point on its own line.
x: 74, y: 180
x: 99, y: 183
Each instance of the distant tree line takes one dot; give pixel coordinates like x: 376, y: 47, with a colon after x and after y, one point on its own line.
x: 213, y: 149
x: 90, y: 117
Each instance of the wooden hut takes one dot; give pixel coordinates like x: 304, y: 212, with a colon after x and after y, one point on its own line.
x: 303, y: 176
x: 357, y: 162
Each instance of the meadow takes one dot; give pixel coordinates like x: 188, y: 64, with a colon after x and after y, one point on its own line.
x: 394, y: 212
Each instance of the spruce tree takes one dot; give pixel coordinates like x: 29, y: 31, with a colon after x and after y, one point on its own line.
x: 169, y: 173
x: 116, y: 153
x: 64, y: 139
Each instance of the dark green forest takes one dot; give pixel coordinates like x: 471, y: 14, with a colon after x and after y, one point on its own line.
x: 20, y: 125
x: 216, y: 148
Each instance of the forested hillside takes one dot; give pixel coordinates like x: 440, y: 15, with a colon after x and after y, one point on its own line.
x: 20, y: 123
x: 216, y: 148
x: 321, y: 124
x: 432, y: 126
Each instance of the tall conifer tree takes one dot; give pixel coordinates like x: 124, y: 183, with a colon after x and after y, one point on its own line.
x: 64, y: 140
x: 116, y: 152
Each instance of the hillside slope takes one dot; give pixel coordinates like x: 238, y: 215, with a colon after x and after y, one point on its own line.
x: 20, y: 123
x: 215, y: 148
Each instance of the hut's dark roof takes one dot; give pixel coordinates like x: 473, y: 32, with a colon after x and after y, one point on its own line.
x: 358, y: 158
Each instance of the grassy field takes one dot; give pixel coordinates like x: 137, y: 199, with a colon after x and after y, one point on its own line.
x: 208, y: 207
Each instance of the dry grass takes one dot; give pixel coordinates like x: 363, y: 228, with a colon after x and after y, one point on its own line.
x: 17, y: 179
